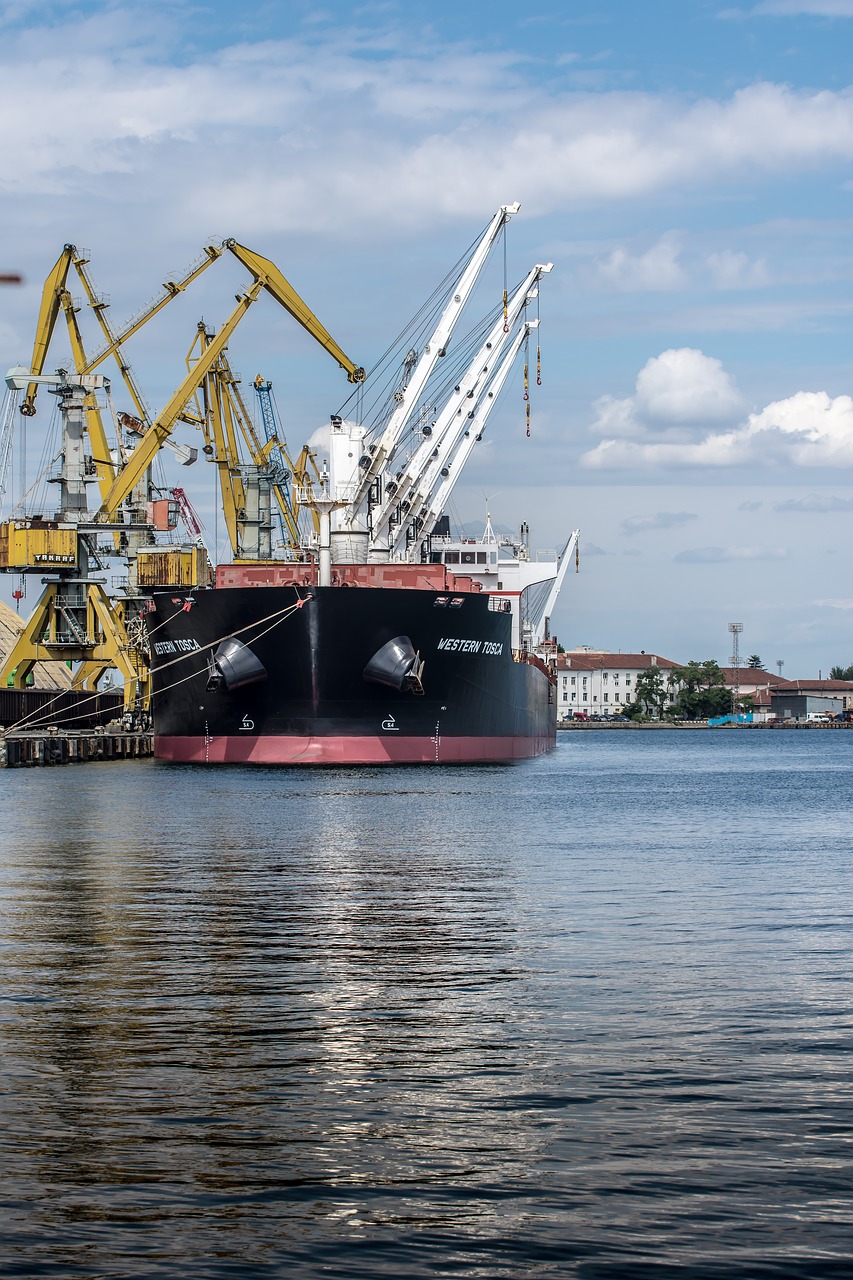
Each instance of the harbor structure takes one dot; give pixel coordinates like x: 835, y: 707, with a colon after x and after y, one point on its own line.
x: 596, y: 682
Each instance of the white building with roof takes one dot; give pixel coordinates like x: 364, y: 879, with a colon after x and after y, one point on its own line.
x: 597, y: 682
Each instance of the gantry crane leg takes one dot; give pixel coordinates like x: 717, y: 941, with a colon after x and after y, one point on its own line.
x: 104, y: 645
x: 30, y: 646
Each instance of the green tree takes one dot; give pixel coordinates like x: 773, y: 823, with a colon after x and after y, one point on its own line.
x: 841, y: 673
x: 651, y: 692
x: 754, y: 662
x: 700, y: 690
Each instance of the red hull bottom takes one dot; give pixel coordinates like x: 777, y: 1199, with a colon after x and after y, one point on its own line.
x: 347, y: 750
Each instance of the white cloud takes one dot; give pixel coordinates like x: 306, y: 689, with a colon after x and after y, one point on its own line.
x: 661, y: 520
x: 833, y: 604
x: 666, y: 267
x: 725, y: 555
x: 334, y: 130
x: 614, y: 418
x: 808, y: 429
x: 731, y: 270
x: 816, y: 8
x: 656, y: 270
x: 679, y: 391
x: 815, y: 503
x: 685, y: 386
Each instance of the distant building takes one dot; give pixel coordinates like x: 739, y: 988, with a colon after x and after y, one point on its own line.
x: 791, y: 705
x: 751, y: 680
x: 601, y: 683
x: 836, y: 690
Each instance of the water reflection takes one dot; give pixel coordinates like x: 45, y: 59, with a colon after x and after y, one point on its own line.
x: 298, y: 1000
x: 583, y: 1013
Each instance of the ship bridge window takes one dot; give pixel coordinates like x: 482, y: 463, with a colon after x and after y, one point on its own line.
x: 451, y: 557
x: 482, y: 558
x: 469, y: 557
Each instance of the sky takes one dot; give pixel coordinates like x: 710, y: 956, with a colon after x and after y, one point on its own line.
x: 688, y: 169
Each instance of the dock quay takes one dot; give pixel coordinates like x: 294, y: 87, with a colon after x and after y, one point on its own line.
x: 46, y: 727
x: 29, y: 750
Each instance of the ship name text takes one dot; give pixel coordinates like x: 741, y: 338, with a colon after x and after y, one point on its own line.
x: 455, y: 645
x: 175, y: 646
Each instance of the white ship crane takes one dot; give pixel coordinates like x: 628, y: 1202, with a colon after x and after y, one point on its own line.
x: 443, y: 435
x: 434, y: 349
x: 444, y: 471
x: 539, y: 612
x: 8, y: 418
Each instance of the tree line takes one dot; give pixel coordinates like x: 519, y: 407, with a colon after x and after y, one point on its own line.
x: 696, y: 691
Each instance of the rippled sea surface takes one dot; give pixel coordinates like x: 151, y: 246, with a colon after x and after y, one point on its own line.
x: 588, y: 1015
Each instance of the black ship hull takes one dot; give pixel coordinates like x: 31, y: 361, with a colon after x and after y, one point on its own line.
x: 295, y: 675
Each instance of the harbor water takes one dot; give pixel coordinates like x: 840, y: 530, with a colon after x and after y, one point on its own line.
x: 585, y: 1016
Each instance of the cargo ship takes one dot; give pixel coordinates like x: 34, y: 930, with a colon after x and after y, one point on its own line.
x: 389, y: 663
x: 384, y: 639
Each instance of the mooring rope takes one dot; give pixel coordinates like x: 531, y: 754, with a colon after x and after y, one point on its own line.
x: 42, y: 714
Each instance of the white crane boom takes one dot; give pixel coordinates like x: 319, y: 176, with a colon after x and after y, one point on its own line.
x: 433, y: 350
x: 537, y: 623
x: 435, y: 499
x: 8, y: 418
x: 451, y: 421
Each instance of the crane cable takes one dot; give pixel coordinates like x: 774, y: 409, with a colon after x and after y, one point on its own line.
x: 526, y: 383
x: 506, y: 295
x: 279, y: 616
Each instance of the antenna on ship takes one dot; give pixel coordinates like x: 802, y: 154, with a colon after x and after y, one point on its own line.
x: 488, y: 532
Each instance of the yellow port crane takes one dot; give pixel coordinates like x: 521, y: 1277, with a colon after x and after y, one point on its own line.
x: 83, y: 624
x: 247, y: 489
x: 266, y: 276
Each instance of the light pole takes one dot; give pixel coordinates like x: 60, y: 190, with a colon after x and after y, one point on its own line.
x: 735, y: 628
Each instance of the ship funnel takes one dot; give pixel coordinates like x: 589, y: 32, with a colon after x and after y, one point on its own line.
x: 235, y: 666
x: 396, y: 665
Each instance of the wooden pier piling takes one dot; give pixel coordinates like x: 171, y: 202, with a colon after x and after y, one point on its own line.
x: 46, y: 748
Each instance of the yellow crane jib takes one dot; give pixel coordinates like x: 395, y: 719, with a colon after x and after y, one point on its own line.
x: 284, y: 293
x: 51, y: 303
x: 159, y: 431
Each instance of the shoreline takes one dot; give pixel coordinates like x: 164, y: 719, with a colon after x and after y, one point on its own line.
x: 657, y: 725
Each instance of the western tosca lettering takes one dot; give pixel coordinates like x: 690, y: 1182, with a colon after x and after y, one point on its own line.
x: 452, y: 644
